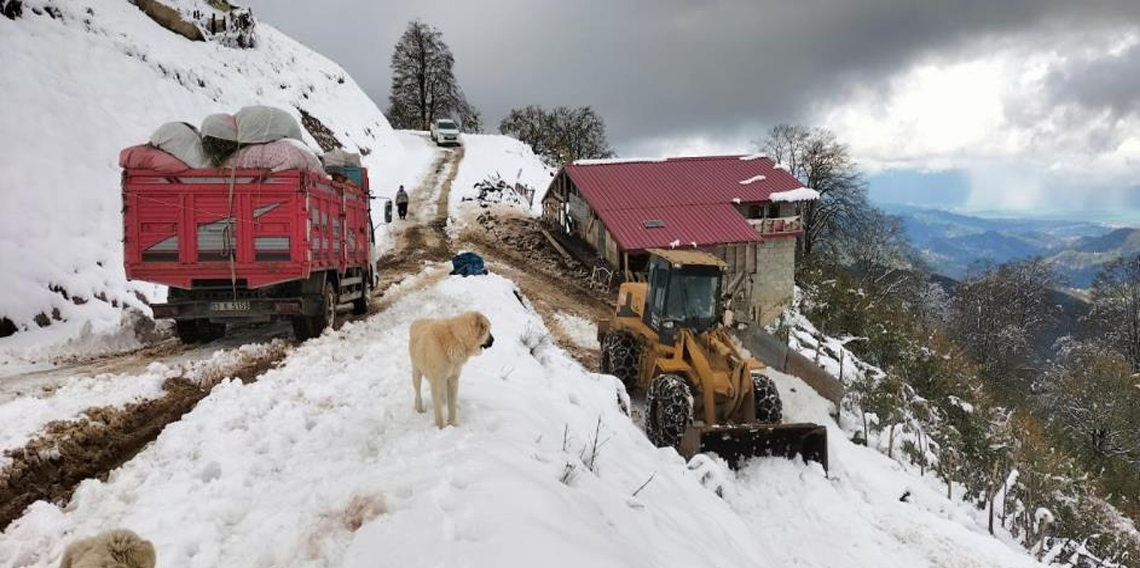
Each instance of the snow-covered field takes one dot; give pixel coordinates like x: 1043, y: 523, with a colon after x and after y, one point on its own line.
x: 323, y: 462
x: 112, y: 77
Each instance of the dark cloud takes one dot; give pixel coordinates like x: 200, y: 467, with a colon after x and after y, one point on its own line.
x: 1109, y: 83
x: 673, y: 68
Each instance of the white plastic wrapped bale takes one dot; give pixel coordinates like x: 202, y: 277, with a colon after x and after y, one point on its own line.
x: 280, y: 155
x: 262, y: 124
x: 182, y: 141
x: 340, y: 158
x: 221, y: 126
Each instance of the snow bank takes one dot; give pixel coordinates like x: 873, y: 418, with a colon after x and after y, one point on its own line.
x: 488, y: 155
x: 583, y: 332
x: 323, y: 462
x: 606, y: 161
x: 102, y: 76
x: 798, y: 194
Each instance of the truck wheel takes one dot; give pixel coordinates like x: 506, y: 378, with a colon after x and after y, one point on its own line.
x: 769, y: 407
x: 360, y: 305
x: 302, y: 328
x: 668, y: 410
x: 327, y: 317
x: 621, y: 357
x: 209, y: 331
x: 187, y: 331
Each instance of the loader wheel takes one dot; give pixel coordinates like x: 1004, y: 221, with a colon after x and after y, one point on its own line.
x: 669, y: 410
x: 769, y: 407
x: 621, y: 357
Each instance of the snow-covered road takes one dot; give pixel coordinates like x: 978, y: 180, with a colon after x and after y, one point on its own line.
x: 323, y: 462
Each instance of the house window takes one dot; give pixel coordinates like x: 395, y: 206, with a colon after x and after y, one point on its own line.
x: 755, y: 211
x: 773, y: 210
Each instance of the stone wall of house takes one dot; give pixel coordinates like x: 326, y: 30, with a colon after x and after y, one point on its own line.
x: 774, y: 283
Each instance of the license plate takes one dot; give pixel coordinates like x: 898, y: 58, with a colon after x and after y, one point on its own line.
x: 229, y: 306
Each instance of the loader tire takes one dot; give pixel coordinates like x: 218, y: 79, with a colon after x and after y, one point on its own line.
x: 769, y: 407
x: 621, y: 357
x: 668, y: 410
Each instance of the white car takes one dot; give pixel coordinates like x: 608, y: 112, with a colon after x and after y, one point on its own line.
x: 444, y: 131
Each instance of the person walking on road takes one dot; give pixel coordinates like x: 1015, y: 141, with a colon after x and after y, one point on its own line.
x: 402, y: 202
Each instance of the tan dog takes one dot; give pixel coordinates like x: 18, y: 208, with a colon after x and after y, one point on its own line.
x: 439, y: 348
x: 119, y: 548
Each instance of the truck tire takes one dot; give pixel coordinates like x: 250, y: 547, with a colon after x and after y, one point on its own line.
x: 668, y: 410
x: 769, y: 407
x: 621, y: 357
x: 208, y: 331
x: 198, y: 331
x: 302, y: 328
x: 308, y: 327
x: 360, y: 305
x: 187, y: 331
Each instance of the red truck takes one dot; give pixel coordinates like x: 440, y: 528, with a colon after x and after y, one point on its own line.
x: 249, y: 246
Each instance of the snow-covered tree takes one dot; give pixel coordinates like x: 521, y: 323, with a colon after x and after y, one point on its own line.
x: 1116, y: 307
x: 560, y: 135
x: 997, y: 316
x: 423, y: 81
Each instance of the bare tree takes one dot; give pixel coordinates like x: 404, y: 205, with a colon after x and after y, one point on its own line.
x: 1090, y: 395
x: 423, y: 81
x: 1116, y: 307
x: 824, y: 164
x: 997, y: 315
x: 561, y: 135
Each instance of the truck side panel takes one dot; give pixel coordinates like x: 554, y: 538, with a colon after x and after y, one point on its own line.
x: 249, y: 225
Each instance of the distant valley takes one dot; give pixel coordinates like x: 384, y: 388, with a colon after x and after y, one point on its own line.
x: 951, y: 242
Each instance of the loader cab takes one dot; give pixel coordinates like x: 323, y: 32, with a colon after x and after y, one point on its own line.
x: 682, y: 295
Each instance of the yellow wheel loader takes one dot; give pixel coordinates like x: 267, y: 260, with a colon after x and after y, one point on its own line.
x: 670, y: 339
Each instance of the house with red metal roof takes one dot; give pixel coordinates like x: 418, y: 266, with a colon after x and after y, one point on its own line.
x: 743, y: 208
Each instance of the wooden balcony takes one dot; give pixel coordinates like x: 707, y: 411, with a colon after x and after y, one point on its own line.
x: 777, y: 225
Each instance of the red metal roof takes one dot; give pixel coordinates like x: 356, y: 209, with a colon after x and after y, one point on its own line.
x: 694, y: 197
x: 704, y: 225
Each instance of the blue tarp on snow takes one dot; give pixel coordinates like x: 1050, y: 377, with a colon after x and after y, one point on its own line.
x: 467, y: 264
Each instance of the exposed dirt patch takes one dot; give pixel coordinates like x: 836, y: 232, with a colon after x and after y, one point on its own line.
x: 320, y: 132
x: 423, y: 238
x: 514, y: 246
x: 52, y: 465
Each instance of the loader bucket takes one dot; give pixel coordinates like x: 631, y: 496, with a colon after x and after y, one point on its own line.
x: 737, y: 443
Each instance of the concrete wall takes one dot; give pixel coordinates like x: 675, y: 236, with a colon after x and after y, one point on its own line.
x: 774, y: 283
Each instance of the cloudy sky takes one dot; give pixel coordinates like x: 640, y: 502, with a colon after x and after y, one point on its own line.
x: 1012, y: 105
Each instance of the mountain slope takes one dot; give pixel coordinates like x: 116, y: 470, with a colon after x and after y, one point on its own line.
x: 83, y: 80
x: 950, y: 242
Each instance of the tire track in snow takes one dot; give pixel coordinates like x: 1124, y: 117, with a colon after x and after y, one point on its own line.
x: 51, y: 466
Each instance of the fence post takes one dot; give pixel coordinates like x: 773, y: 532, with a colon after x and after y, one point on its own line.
x: 842, y: 360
